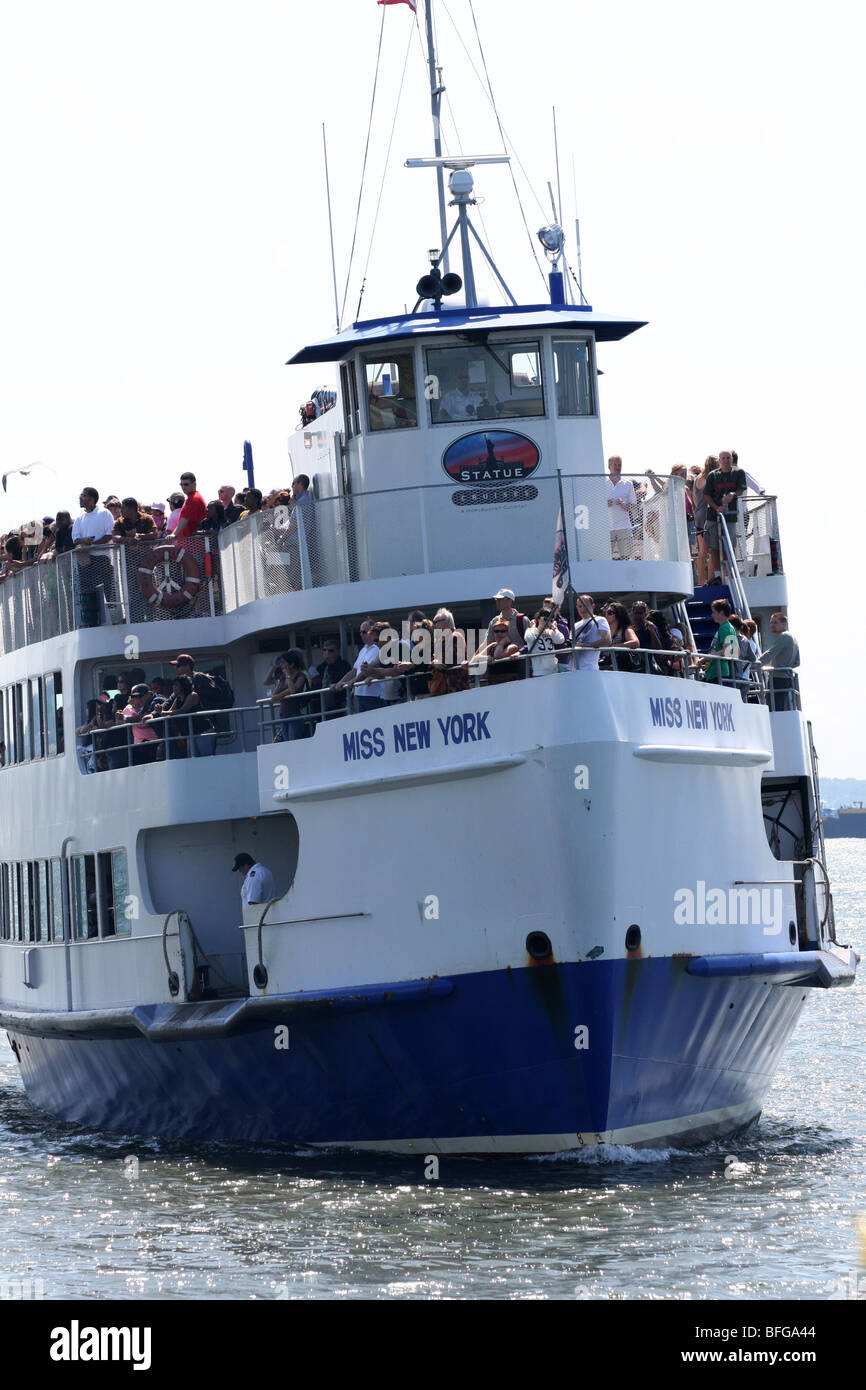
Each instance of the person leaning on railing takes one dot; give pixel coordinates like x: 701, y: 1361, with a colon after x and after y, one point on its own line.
x: 724, y: 645
x: 781, y: 657
x: 331, y: 669
x: 497, y: 655
x: 133, y: 525
x: 622, y: 635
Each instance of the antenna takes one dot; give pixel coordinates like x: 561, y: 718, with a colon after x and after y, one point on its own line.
x: 331, y: 229
x: 556, y: 157
x: 577, y: 236
x: 436, y: 90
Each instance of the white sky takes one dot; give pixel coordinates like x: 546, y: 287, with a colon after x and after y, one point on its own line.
x: 164, y: 249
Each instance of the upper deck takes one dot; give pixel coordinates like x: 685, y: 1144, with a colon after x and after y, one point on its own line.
x: 380, y: 551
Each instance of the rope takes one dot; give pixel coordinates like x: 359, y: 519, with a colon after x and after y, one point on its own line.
x: 364, y: 165
x: 385, y: 171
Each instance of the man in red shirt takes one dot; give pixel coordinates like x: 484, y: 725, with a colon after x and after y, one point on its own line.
x: 193, y: 511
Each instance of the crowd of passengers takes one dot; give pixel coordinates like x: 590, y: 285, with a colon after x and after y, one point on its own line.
x: 136, y: 721
x: 711, y: 497
x: 434, y: 657
x: 145, y: 721
x: 127, y: 521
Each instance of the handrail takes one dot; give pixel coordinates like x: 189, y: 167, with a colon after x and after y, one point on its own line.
x: 173, y: 980
x: 736, y: 583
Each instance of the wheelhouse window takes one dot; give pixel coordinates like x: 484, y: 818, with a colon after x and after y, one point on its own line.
x: 572, y: 362
x: 499, y: 381
x: 351, y: 405
x: 391, y: 400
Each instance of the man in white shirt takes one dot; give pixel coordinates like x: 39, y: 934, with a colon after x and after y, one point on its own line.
x: 371, y: 693
x: 620, y: 496
x: 89, y: 532
x: 258, y: 885
x: 590, y: 634
x: 461, y: 402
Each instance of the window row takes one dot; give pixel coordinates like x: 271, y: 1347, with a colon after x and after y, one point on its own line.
x: 31, y: 898
x: 500, y: 381
x: 31, y: 716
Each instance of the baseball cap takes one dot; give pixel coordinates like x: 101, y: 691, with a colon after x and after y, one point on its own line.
x: 182, y: 659
x: 240, y: 860
x: 48, y: 521
x: 140, y: 690
x: 157, y: 506
x: 505, y: 593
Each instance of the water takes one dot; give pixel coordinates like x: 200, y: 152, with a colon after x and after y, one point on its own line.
x: 219, y: 1222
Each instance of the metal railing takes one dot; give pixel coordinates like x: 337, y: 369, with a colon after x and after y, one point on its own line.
x: 295, y: 717
x: 445, y: 527
x: 158, y: 581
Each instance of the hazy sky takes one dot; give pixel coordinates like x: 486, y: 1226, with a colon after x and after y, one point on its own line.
x: 164, y: 241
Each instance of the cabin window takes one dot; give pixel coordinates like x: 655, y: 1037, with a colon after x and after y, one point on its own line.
x: 36, y: 722
x: 53, y: 714
x: 28, y: 905
x: 120, y: 890
x: 391, y: 399
x: 85, y: 921
x: 31, y: 714
x: 5, y: 921
x: 43, y: 889
x: 351, y: 406
x: 572, y: 361
x: 56, y: 900
x: 113, y: 893
x: 22, y: 711
x: 489, y: 382
x: 14, y: 902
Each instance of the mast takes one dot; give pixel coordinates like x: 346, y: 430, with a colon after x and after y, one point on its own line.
x: 436, y: 90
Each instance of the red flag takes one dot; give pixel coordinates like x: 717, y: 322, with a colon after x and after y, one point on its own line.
x: 410, y: 3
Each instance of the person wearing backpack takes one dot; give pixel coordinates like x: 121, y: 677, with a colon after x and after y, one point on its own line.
x: 214, y: 692
x: 517, y: 622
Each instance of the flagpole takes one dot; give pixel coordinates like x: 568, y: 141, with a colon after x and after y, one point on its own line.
x: 569, y: 592
x: 436, y: 90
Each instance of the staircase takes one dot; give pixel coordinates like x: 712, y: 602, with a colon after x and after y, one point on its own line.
x: 700, y: 617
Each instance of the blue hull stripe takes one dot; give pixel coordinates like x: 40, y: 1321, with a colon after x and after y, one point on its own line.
x: 495, y: 1057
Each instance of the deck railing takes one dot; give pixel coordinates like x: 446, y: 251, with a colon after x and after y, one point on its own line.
x: 150, y: 582
x: 247, y: 727
x: 443, y: 528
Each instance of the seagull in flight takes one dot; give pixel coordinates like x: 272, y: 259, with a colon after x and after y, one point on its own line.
x: 24, y: 471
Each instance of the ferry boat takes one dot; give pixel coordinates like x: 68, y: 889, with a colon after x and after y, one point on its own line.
x: 573, y: 908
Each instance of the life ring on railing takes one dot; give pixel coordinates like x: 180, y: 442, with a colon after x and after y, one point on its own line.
x: 157, y: 583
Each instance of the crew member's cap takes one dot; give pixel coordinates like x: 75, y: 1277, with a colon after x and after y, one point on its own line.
x: 505, y: 593
x: 140, y: 690
x: 241, y: 860
x: 182, y: 659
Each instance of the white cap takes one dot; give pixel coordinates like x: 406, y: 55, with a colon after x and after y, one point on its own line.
x: 505, y: 593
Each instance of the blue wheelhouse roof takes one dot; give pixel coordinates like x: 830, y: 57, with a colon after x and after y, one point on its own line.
x: 469, y: 323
